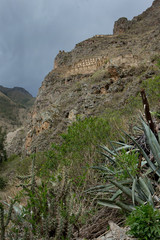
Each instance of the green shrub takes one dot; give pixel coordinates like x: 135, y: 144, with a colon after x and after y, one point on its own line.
x: 13, y: 157
x: 2, y: 183
x: 78, y: 147
x: 152, y: 88
x: 99, y: 75
x: 128, y: 162
x: 144, y: 223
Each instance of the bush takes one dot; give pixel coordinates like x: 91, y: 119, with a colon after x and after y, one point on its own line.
x: 78, y: 147
x: 152, y: 87
x: 99, y: 75
x: 2, y: 183
x: 127, y: 162
x: 144, y: 223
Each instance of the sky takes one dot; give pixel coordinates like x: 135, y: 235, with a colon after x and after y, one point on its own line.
x: 33, y: 31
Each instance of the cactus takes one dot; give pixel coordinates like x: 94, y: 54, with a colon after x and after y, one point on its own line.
x: 4, y: 223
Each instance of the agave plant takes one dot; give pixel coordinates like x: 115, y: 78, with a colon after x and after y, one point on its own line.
x: 129, y: 184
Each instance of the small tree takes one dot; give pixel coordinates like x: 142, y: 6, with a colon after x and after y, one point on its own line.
x: 3, y: 155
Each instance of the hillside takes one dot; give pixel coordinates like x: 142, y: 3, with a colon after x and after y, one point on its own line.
x: 14, y: 105
x: 106, y: 69
x: 18, y: 95
x: 78, y: 168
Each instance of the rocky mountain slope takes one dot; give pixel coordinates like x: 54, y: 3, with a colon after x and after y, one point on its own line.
x: 14, y: 105
x: 99, y: 73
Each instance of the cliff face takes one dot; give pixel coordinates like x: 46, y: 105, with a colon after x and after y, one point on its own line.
x: 100, y: 72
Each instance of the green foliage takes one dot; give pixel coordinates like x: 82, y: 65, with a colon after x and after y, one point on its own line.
x: 84, y: 133
x: 2, y: 183
x: 12, y: 157
x: 152, y: 88
x: 99, y: 75
x: 7, y: 109
x: 133, y: 103
x: 126, y: 180
x: 78, y: 147
x: 158, y: 62
x: 144, y: 223
x: 49, y: 211
x: 127, y: 161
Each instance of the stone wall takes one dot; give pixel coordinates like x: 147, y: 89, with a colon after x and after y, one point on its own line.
x: 87, y: 65
x: 90, y: 65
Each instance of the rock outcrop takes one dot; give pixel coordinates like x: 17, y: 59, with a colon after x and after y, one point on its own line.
x: 100, y: 72
x: 122, y: 25
x: 115, y: 233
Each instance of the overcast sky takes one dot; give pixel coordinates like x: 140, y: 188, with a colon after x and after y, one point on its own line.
x: 33, y: 31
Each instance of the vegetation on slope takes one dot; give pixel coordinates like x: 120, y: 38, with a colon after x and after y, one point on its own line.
x: 55, y: 205
x: 8, y: 109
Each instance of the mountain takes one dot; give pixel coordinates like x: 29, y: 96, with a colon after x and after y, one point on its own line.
x: 14, y: 105
x: 18, y: 95
x: 102, y: 76
x: 102, y: 72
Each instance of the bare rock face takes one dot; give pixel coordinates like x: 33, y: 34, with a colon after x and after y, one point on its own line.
x: 103, y: 69
x: 116, y: 233
x: 14, y: 141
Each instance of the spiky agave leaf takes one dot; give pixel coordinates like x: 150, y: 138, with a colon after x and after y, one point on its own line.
x: 127, y: 191
x: 146, y: 190
x: 152, y: 142
x: 104, y: 169
x: 107, y: 150
x: 115, y: 204
x: 108, y: 203
x: 101, y: 188
x: 123, y: 146
x: 133, y: 190
x: 152, y: 165
x: 116, y: 195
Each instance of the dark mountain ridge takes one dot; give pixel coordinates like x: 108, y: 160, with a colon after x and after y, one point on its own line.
x: 19, y: 95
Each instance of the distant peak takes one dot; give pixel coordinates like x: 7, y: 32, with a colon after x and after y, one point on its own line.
x: 20, y: 89
x: 6, y: 90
